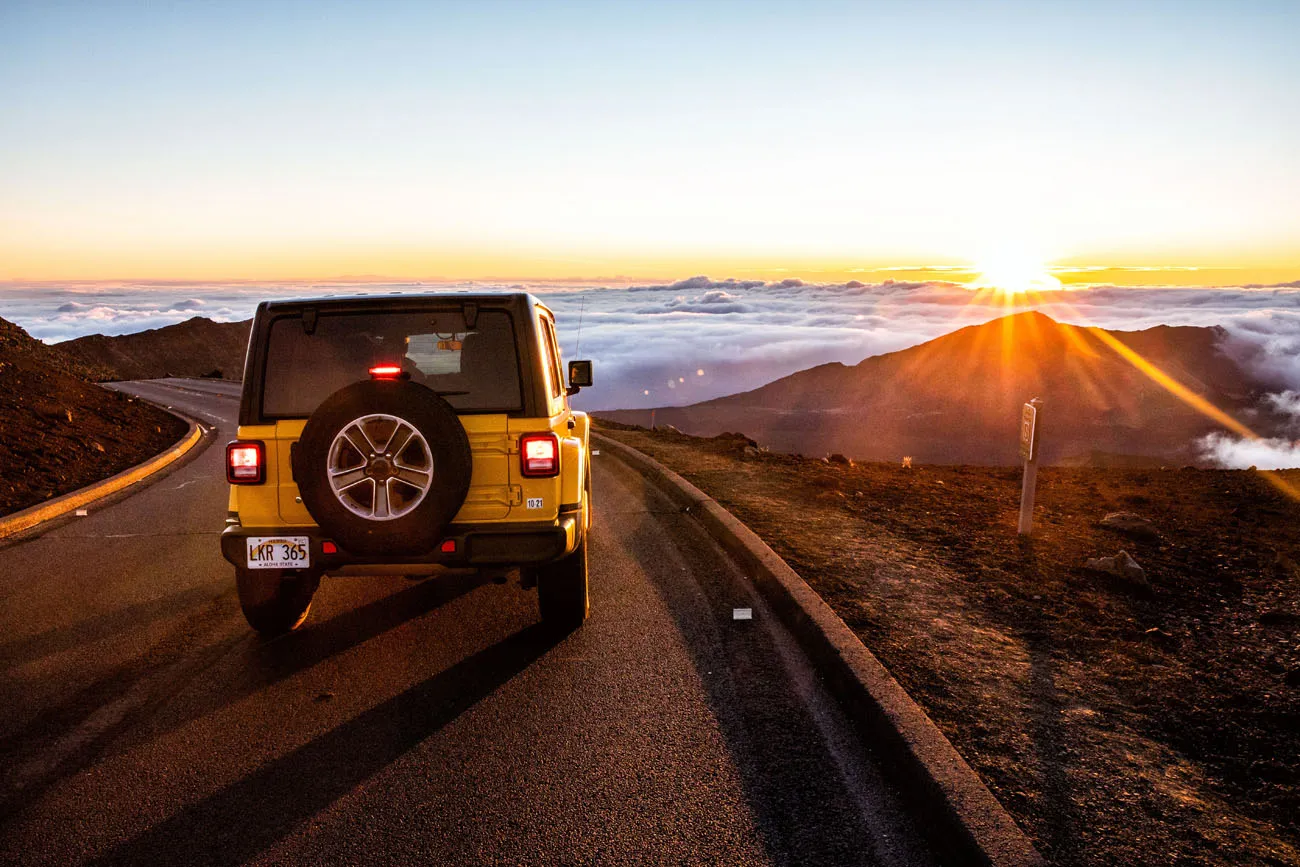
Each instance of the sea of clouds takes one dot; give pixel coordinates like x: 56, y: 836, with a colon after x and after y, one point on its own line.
x: 695, y: 339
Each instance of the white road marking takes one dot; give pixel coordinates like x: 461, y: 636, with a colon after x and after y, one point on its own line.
x: 742, y: 614
x: 81, y: 513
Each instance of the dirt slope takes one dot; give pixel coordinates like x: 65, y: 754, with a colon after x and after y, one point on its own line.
x: 59, y: 431
x: 195, y: 347
x: 956, y: 399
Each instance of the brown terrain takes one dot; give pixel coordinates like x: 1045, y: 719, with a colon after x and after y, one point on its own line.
x: 1146, y: 719
x: 195, y: 347
x: 956, y: 399
x: 59, y: 431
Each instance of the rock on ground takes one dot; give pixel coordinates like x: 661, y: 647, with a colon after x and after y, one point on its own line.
x: 1122, y: 565
x: 1131, y: 524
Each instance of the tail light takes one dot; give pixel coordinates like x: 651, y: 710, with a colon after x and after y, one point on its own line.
x: 539, y: 455
x: 245, y: 463
x: 386, y: 371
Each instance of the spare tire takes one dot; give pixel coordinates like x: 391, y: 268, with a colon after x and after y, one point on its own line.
x: 383, y: 467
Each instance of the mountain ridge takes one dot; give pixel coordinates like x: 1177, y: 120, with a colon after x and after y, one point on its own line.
x: 196, y: 347
x: 956, y: 398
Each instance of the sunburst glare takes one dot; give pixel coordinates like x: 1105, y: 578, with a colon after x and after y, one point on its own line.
x: 1012, y: 272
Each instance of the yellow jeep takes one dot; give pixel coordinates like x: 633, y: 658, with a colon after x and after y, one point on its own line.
x: 407, y: 434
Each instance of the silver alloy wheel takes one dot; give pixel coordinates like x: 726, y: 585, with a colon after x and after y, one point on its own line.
x: 380, y: 467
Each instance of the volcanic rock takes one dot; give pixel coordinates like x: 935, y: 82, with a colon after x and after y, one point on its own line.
x: 1122, y: 566
x: 1131, y: 524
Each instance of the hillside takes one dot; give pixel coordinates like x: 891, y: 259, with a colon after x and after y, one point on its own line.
x: 1121, y: 720
x: 195, y: 347
x: 956, y: 399
x: 58, y: 431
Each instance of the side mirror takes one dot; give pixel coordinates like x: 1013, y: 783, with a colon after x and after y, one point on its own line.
x: 579, y: 375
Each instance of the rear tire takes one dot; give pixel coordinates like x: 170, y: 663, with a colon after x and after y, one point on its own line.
x: 451, y: 465
x: 563, y: 596
x: 275, y: 603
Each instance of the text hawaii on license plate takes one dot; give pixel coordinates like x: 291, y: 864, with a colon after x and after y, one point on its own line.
x: 278, y: 552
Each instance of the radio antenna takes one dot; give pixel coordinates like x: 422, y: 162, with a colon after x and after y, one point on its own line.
x: 578, y: 346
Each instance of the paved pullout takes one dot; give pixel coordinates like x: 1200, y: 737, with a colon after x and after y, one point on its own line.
x: 431, y: 720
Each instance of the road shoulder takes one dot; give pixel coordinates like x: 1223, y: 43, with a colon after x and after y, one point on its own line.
x: 926, y: 766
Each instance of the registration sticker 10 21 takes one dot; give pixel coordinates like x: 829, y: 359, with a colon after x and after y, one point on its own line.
x: 278, y: 552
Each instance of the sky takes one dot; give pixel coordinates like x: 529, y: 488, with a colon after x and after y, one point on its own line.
x: 1118, y: 143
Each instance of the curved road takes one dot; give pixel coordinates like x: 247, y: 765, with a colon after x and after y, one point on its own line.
x: 410, y: 722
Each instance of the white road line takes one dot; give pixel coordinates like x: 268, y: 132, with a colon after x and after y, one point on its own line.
x: 213, y: 417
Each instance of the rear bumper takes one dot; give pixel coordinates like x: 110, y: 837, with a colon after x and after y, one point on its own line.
x: 517, y: 544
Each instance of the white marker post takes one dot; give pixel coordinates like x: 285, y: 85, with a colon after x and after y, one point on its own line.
x: 1029, y: 451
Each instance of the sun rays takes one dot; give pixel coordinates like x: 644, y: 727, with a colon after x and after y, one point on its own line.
x: 1011, y: 273
x: 1017, y: 284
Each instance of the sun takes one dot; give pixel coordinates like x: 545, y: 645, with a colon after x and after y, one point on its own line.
x: 1014, y: 274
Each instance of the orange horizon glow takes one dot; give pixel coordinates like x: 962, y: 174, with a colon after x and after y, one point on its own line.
x: 1015, y: 272
x: 527, y: 266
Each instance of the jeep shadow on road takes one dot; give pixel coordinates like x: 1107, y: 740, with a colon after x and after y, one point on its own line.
x: 170, y: 667
x: 247, y: 817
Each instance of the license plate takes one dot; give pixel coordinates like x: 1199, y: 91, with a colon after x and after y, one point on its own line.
x: 278, y: 552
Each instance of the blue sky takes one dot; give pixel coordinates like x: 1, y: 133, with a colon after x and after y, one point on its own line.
x: 284, y: 140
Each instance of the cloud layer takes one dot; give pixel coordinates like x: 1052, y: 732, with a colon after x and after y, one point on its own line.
x: 700, y: 338
x: 1235, y: 453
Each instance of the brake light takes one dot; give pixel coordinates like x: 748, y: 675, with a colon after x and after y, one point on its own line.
x: 386, y: 371
x: 539, y: 455
x: 245, y: 463
x: 448, y: 546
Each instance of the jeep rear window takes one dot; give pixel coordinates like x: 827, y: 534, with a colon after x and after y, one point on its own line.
x: 476, y: 368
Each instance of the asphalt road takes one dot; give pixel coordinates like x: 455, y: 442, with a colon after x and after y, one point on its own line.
x: 431, y: 721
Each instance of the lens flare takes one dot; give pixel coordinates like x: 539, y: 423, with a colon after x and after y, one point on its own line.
x: 1011, y: 273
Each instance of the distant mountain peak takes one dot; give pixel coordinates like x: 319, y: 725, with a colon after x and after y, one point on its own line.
x: 956, y: 398
x: 20, y: 348
x: 197, y: 346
